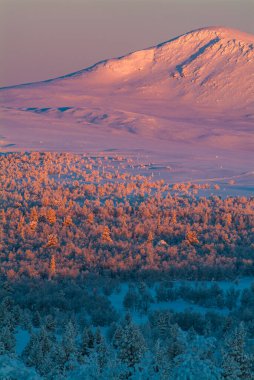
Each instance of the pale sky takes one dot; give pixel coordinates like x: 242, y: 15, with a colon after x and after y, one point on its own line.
x: 42, y: 39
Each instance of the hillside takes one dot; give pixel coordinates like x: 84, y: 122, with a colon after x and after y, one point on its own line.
x: 187, y: 97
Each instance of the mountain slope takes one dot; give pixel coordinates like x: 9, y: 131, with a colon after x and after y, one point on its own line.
x: 211, y: 67
x: 190, y: 98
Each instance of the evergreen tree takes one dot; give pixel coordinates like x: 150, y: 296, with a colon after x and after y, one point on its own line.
x: 7, y: 316
x: 38, y: 351
x: 87, y: 342
x: 16, y: 314
x: 101, y: 350
x: 145, y: 297
x: 50, y: 324
x: 36, y: 319
x: 59, y: 359
x: 176, y: 343
x: 130, y: 343
x: 190, y: 367
x: 7, y: 340
x: 230, y: 369
x: 131, y: 298
x: 105, y: 237
x: 52, y: 266
x: 69, y: 346
x: 160, y: 362
x: 161, y: 324
x: 235, y: 357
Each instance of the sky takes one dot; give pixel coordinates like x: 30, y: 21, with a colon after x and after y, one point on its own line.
x: 43, y: 39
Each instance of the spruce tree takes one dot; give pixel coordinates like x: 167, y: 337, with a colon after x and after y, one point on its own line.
x: 87, y: 342
x: 236, y: 360
x: 176, y: 343
x: 69, y: 346
x: 7, y: 340
x: 36, y: 319
x: 130, y: 343
x: 38, y: 351
x: 50, y: 324
x: 101, y: 350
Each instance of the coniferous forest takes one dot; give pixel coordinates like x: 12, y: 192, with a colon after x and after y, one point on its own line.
x: 109, y: 272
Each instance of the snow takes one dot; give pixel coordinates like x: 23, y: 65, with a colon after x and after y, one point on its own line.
x: 178, y: 305
x: 239, y: 284
x: 187, y: 103
x: 11, y: 366
x: 22, y: 337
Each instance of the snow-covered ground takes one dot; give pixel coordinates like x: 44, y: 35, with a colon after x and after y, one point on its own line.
x: 187, y: 103
x: 179, y: 304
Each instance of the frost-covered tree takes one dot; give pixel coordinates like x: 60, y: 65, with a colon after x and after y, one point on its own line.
x: 230, y: 369
x: 191, y: 367
x: 50, y: 323
x: 235, y: 357
x: 145, y: 297
x: 87, y: 342
x: 38, y: 351
x: 101, y: 350
x: 91, y: 369
x: 176, y: 342
x: 8, y: 314
x: 36, y: 319
x: 161, y: 324
x: 7, y: 340
x: 130, y: 343
x: 231, y: 297
x: 131, y: 298
x: 69, y: 346
x: 159, y: 365
x: 59, y: 359
x: 13, y: 368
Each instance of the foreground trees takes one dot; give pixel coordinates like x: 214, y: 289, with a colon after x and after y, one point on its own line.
x: 237, y: 364
x: 130, y: 343
x: 47, y: 328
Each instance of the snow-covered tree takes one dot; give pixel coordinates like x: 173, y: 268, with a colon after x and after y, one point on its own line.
x: 50, y: 323
x: 130, y: 343
x: 91, y: 370
x: 159, y: 365
x: 13, y: 368
x: 69, y: 349
x: 38, y: 351
x: 131, y: 298
x: 191, y: 367
x: 161, y: 324
x: 176, y: 342
x: 87, y: 342
x: 235, y: 357
x: 100, y: 349
x: 7, y: 315
x: 36, y: 319
x: 7, y: 340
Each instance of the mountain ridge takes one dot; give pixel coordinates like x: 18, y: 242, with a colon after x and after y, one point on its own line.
x: 219, y: 31
x: 194, y: 93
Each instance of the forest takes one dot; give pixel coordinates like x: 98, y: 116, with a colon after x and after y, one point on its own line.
x: 104, y: 328
x: 68, y: 215
x: 109, y: 273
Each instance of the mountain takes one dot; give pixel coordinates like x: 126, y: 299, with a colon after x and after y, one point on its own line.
x: 196, y: 89
x: 210, y: 66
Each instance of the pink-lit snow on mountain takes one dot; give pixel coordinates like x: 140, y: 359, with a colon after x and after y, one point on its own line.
x: 192, y: 95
